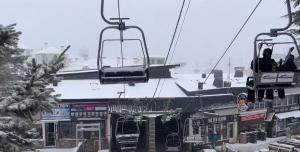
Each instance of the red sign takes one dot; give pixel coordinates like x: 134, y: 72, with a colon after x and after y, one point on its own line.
x: 89, y: 107
x: 256, y: 117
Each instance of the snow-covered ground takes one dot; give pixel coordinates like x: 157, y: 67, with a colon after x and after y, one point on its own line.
x: 57, y: 150
x: 249, y: 147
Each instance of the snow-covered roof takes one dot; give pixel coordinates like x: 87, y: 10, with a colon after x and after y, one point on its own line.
x: 294, y: 114
x: 92, y: 89
x: 80, y: 64
x: 190, y: 81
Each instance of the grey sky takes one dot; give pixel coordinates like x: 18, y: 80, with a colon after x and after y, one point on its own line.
x: 209, y: 27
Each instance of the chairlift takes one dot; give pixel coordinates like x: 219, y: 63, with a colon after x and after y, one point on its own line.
x: 173, y: 143
x: 188, y: 137
x: 123, y: 74
x: 173, y: 140
x: 277, y: 79
x: 127, y: 133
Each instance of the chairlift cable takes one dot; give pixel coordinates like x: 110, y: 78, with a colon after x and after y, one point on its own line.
x: 233, y: 40
x: 171, y: 44
x: 177, y: 40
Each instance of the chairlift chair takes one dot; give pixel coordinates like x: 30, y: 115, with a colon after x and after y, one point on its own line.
x: 173, y: 140
x: 277, y: 79
x: 173, y: 143
x: 193, y: 139
x: 127, y: 133
x: 123, y: 74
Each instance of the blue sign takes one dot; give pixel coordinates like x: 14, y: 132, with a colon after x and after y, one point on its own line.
x: 56, y: 114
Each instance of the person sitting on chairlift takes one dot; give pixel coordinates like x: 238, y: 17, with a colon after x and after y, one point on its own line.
x: 265, y: 64
x: 289, y: 65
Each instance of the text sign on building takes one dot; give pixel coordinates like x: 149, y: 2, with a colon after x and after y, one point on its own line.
x: 89, y: 111
x: 255, y: 117
x: 56, y: 114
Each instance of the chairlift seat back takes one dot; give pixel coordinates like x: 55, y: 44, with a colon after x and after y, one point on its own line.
x: 126, y: 74
x: 173, y: 142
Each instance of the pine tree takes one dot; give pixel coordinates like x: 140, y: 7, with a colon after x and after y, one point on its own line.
x: 27, y: 93
x: 296, y: 17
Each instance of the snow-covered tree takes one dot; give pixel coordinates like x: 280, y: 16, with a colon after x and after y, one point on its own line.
x: 296, y: 17
x: 26, y: 94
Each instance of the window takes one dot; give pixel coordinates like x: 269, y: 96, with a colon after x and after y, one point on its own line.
x: 224, y: 131
x: 280, y: 125
x: 67, y: 129
x: 218, y: 131
x: 203, y: 131
x: 230, y: 127
x: 295, y: 99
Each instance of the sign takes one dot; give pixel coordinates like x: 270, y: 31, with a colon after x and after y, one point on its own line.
x: 89, y: 111
x: 56, y: 114
x: 217, y: 119
x: 285, y: 77
x: 268, y: 78
x: 253, y: 116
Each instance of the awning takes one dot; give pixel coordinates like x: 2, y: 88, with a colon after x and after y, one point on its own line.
x: 253, y: 116
x: 290, y: 114
x: 270, y: 116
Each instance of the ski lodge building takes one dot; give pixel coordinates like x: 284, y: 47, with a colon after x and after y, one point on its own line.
x: 204, y: 114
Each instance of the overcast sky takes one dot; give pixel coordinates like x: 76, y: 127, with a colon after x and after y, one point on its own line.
x: 209, y: 27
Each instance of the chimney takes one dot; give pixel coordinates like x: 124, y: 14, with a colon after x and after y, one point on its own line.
x: 218, y: 75
x: 203, y: 75
x: 200, y: 85
x: 239, y: 72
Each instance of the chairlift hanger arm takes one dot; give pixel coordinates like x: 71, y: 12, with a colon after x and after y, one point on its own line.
x: 288, y: 4
x: 272, y: 35
x: 103, y: 16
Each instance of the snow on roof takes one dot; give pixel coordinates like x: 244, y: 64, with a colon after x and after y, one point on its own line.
x: 294, y: 114
x: 92, y: 89
x: 92, y: 63
x: 190, y: 81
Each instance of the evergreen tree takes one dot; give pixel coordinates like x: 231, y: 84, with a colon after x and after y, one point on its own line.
x: 296, y: 17
x: 26, y: 93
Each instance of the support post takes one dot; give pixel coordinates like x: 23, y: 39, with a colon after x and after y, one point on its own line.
x: 151, y: 136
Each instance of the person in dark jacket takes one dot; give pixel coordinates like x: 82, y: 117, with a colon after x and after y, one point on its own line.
x: 264, y: 64
x: 289, y: 65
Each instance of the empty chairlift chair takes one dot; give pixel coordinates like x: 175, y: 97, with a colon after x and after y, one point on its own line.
x: 122, y: 74
x: 173, y: 143
x: 173, y: 140
x: 127, y: 133
x: 188, y: 135
x: 278, y: 79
